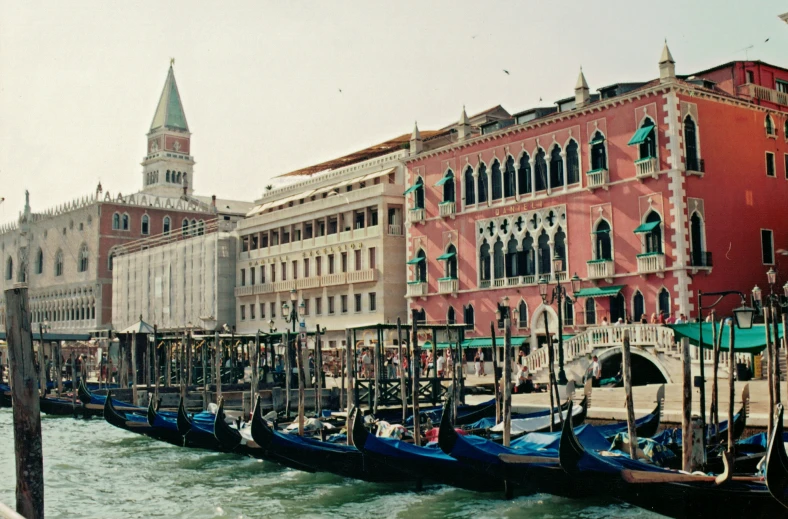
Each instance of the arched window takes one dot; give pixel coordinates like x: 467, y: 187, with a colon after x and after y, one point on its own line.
x: 526, y: 257
x: 540, y: 166
x: 200, y: 228
x: 498, y: 260
x: 185, y: 227
x: 82, y: 260
x: 470, y: 187
x: 418, y: 194
x: 545, y: 261
x: 648, y: 148
x: 590, y: 311
x: 522, y: 315
x: 560, y: 247
x: 691, y: 143
x: 572, y: 163
x: 40, y: 261
x: 511, y: 258
x: 497, y: 181
x: 769, y: 125
x: 59, y: 263
x: 116, y: 222
x: 785, y: 132
x: 598, y: 152
x: 618, y: 309
x: 421, y: 267
x: 556, y: 168
x: 145, y: 226
x: 569, y: 313
x: 664, y: 303
x: 469, y: 318
x: 484, y: 261
x: 421, y: 316
x: 508, y: 178
x: 697, y: 254
x: 166, y: 225
x: 602, y: 245
x: 482, y: 183
x: 451, y: 318
x: 9, y: 268
x: 451, y: 262
x: 638, y: 306
x: 524, y: 175
x: 124, y: 222
x: 168, y: 175
x: 448, y: 186
x: 653, y: 237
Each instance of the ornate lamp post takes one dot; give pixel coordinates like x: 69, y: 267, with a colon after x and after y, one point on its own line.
x: 559, y: 294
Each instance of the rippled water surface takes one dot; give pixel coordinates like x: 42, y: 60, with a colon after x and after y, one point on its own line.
x: 95, y: 470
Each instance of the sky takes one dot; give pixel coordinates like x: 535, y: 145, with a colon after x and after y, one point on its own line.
x: 260, y: 81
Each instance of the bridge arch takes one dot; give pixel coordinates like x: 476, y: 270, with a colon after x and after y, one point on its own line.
x: 646, y: 367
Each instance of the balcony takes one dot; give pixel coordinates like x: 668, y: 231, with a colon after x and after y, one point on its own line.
x: 417, y: 215
x: 529, y: 280
x: 500, y: 282
x: 484, y: 283
x: 333, y: 279
x: 651, y: 263
x: 447, y: 208
x: 696, y: 167
x: 244, y: 291
x: 448, y: 285
x: 646, y: 167
x: 284, y: 286
x: 362, y: 276
x: 560, y: 276
x: 310, y: 282
x: 598, y: 178
x: 417, y: 288
x: 600, y: 269
x: 700, y: 260
x: 762, y: 93
x: 264, y: 288
x: 395, y: 230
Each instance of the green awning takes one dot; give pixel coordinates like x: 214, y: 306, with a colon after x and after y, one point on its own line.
x: 746, y: 341
x: 483, y: 342
x: 640, y: 135
x: 600, y: 260
x: 412, y: 188
x: 447, y: 255
x: 647, y: 254
x: 601, y: 231
x: 445, y: 179
x: 647, y: 227
x: 600, y: 291
x: 594, y: 171
x: 417, y: 259
x: 597, y: 141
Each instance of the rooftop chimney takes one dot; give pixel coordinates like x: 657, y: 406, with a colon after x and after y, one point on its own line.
x: 667, y: 67
x: 582, y: 96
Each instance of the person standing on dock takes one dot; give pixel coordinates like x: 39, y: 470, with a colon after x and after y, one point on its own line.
x: 596, y: 371
x: 440, y: 365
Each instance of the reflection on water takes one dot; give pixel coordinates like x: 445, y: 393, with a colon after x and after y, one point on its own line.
x: 94, y: 470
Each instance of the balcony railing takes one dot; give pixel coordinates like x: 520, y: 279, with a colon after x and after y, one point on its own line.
x: 310, y: 282
x: 362, y: 276
x: 646, y: 167
x: 333, y: 279
x: 395, y: 230
x: 700, y: 259
x: 766, y: 94
x: 500, y: 282
x: 484, y: 283
x: 529, y: 280
x: 417, y: 288
x: 284, y: 286
x: 244, y: 291
x: 447, y: 208
x: 264, y: 288
x: 448, y: 285
x: 417, y: 215
x: 560, y: 276
x: 651, y: 262
x: 600, y: 269
x: 597, y: 178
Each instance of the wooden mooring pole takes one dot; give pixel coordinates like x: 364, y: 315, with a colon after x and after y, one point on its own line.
x: 416, y: 363
x: 631, y: 427
x: 551, y: 376
x: 402, y: 381
x: 769, y: 368
x: 156, y: 370
x: 497, y: 384
x: 26, y: 409
x: 301, y: 380
x: 318, y: 372
x: 350, y: 366
x: 218, y: 363
x: 288, y: 373
x: 507, y: 386
x: 134, y: 369
x: 731, y: 394
x: 686, y: 409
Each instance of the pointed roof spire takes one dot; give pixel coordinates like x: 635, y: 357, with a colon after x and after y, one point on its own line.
x: 464, y: 116
x: 666, y: 57
x: 581, y: 80
x: 169, y: 112
x: 416, y: 134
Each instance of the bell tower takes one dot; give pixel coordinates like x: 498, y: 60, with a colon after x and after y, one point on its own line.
x: 168, y: 166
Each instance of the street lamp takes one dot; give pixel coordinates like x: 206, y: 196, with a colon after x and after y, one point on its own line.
x: 558, y: 294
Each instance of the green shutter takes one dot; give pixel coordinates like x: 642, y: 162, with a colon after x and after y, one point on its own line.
x: 640, y: 135
x: 417, y: 259
x: 646, y: 227
x: 411, y: 189
x: 447, y: 255
x: 600, y: 291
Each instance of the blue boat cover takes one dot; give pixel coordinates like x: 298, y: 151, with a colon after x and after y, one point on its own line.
x: 400, y: 449
x: 546, y: 444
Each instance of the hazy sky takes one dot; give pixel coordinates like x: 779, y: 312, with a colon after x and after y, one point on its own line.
x: 260, y: 81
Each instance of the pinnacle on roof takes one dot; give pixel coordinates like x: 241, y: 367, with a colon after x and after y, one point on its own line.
x: 581, y: 81
x: 666, y: 57
x: 464, y: 117
x: 169, y: 112
x: 416, y: 134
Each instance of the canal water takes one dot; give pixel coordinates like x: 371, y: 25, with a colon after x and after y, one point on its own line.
x: 94, y: 470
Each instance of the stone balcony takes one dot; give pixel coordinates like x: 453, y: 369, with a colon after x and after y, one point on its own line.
x: 310, y: 282
x: 448, y: 285
x: 417, y: 288
x: 598, y: 178
x: 646, y: 168
x: 339, y: 278
x: 765, y: 94
x: 447, y: 208
x: 395, y: 230
x: 244, y: 291
x: 600, y: 269
x: 417, y: 215
x: 651, y: 263
x: 284, y: 286
x: 362, y: 276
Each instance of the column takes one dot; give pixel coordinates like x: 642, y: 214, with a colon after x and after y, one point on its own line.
x: 532, y: 162
x: 566, y: 169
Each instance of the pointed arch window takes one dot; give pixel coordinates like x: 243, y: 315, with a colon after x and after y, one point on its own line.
x: 9, y: 268
x: 469, y: 317
x: 59, y: 263
x: 652, y: 231
x: 638, y: 306
x: 556, y: 168
x: 84, y: 257
x: 560, y: 247
x: 572, y: 163
x: 497, y: 181
x: 39, y: 261
x: 116, y: 222
x: 145, y: 224
x: 545, y: 260
x: 124, y: 222
x: 166, y: 224
x: 421, y: 316
x: 484, y: 261
x: 448, y: 186
x: 598, y: 152
x: 697, y: 253
x: 526, y: 257
x: 498, y: 260
x: 646, y: 140
x: 769, y: 123
x: 664, y: 302
x: 524, y: 175
x: 418, y: 194
x: 590, y: 311
x: 540, y: 166
x: 450, y: 257
x: 602, y: 244
x: 451, y: 318
x: 512, y: 269
x: 509, y: 184
x: 470, y: 187
x: 522, y: 315
x: 691, y: 143
x: 482, y: 183
x: 421, y: 267
x: 569, y: 313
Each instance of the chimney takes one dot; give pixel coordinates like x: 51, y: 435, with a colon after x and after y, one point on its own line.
x: 213, y: 201
x: 416, y: 144
x: 464, y: 126
x: 582, y: 97
x: 667, y: 67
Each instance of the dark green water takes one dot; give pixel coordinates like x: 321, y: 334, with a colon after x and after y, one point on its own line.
x: 98, y: 471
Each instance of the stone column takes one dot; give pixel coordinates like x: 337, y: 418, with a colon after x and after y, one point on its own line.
x: 532, y: 162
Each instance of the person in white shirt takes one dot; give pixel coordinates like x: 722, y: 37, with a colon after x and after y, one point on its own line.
x: 596, y: 372
x: 366, y: 365
x: 441, y: 364
x: 680, y: 319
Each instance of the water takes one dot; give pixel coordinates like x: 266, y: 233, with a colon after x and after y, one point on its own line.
x: 94, y: 470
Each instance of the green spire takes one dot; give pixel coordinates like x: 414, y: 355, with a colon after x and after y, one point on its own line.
x: 169, y: 112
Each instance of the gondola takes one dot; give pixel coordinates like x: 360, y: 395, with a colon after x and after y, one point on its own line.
x: 65, y: 407
x: 419, y: 463
x: 92, y: 401
x: 645, y: 427
x: 161, y: 429
x: 664, y: 491
x: 342, y: 460
x: 777, y: 462
x: 5, y: 395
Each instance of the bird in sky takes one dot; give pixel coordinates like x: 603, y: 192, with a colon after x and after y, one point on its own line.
x: 767, y: 39
x: 340, y: 90
x: 507, y: 72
